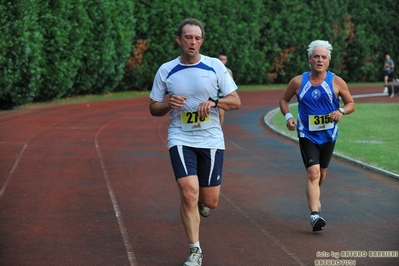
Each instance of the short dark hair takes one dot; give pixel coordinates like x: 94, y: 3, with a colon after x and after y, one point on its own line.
x: 190, y: 21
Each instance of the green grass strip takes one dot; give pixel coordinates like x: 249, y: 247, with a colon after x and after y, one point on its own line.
x: 369, y: 135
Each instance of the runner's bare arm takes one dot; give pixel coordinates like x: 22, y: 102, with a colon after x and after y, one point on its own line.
x: 230, y: 102
x: 343, y: 91
x: 162, y: 108
x: 290, y: 91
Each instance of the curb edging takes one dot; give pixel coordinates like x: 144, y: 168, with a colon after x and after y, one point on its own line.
x: 267, y: 119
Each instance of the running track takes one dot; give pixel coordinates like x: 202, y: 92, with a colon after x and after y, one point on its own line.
x: 91, y: 184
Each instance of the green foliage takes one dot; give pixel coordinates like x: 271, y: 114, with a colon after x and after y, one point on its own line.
x: 157, y: 22
x: 236, y: 31
x: 63, y: 28
x: 55, y: 49
x: 107, y: 46
x: 365, y: 55
x: 21, y: 51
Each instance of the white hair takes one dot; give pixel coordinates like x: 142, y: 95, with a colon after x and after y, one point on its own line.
x: 320, y: 43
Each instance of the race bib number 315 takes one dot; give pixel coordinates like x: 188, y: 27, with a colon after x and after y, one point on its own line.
x: 191, y: 121
x: 320, y: 122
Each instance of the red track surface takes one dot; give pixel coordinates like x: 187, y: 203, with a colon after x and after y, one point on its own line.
x: 91, y: 184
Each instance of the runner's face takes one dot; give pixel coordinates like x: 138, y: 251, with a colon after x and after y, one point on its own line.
x: 223, y: 58
x: 191, y: 41
x: 319, y: 61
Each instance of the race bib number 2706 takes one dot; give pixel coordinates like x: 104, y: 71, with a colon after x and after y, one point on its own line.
x: 191, y: 121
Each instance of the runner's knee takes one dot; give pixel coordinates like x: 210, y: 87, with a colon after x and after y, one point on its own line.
x: 313, y: 173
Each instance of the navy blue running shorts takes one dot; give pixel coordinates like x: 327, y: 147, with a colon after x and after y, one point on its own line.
x: 316, y: 153
x: 207, y: 164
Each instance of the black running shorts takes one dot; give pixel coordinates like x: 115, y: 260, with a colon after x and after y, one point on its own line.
x: 316, y: 154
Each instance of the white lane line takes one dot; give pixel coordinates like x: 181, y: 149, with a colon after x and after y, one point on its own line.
x: 122, y: 227
x: 5, y: 185
x: 275, y: 240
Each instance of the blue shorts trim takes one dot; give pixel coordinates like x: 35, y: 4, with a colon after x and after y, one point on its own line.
x: 207, y: 164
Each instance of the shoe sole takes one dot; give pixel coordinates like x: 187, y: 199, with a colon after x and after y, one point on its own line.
x: 203, y: 213
x: 205, y: 216
x: 319, y: 225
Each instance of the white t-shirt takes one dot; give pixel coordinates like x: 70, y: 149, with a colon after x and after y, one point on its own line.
x: 197, y: 82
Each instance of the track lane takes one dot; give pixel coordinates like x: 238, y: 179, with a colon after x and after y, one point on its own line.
x: 67, y: 218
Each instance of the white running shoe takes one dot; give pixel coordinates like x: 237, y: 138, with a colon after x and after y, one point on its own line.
x: 203, y: 210
x: 385, y: 90
x: 195, y: 258
x: 317, y: 222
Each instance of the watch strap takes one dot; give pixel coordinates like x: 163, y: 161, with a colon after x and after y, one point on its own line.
x: 216, y: 101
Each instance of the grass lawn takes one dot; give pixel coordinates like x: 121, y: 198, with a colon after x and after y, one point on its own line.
x: 368, y: 135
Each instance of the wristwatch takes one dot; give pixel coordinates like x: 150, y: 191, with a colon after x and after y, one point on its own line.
x: 215, y: 100
x: 342, y: 110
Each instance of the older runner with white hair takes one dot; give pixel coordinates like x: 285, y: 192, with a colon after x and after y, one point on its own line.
x: 318, y: 92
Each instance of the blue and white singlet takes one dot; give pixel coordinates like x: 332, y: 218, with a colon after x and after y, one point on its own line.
x: 315, y: 104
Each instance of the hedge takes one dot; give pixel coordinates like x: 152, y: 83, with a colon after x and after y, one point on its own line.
x: 55, y: 49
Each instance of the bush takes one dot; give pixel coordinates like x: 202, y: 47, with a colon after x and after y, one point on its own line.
x: 21, y: 53
x: 53, y: 49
